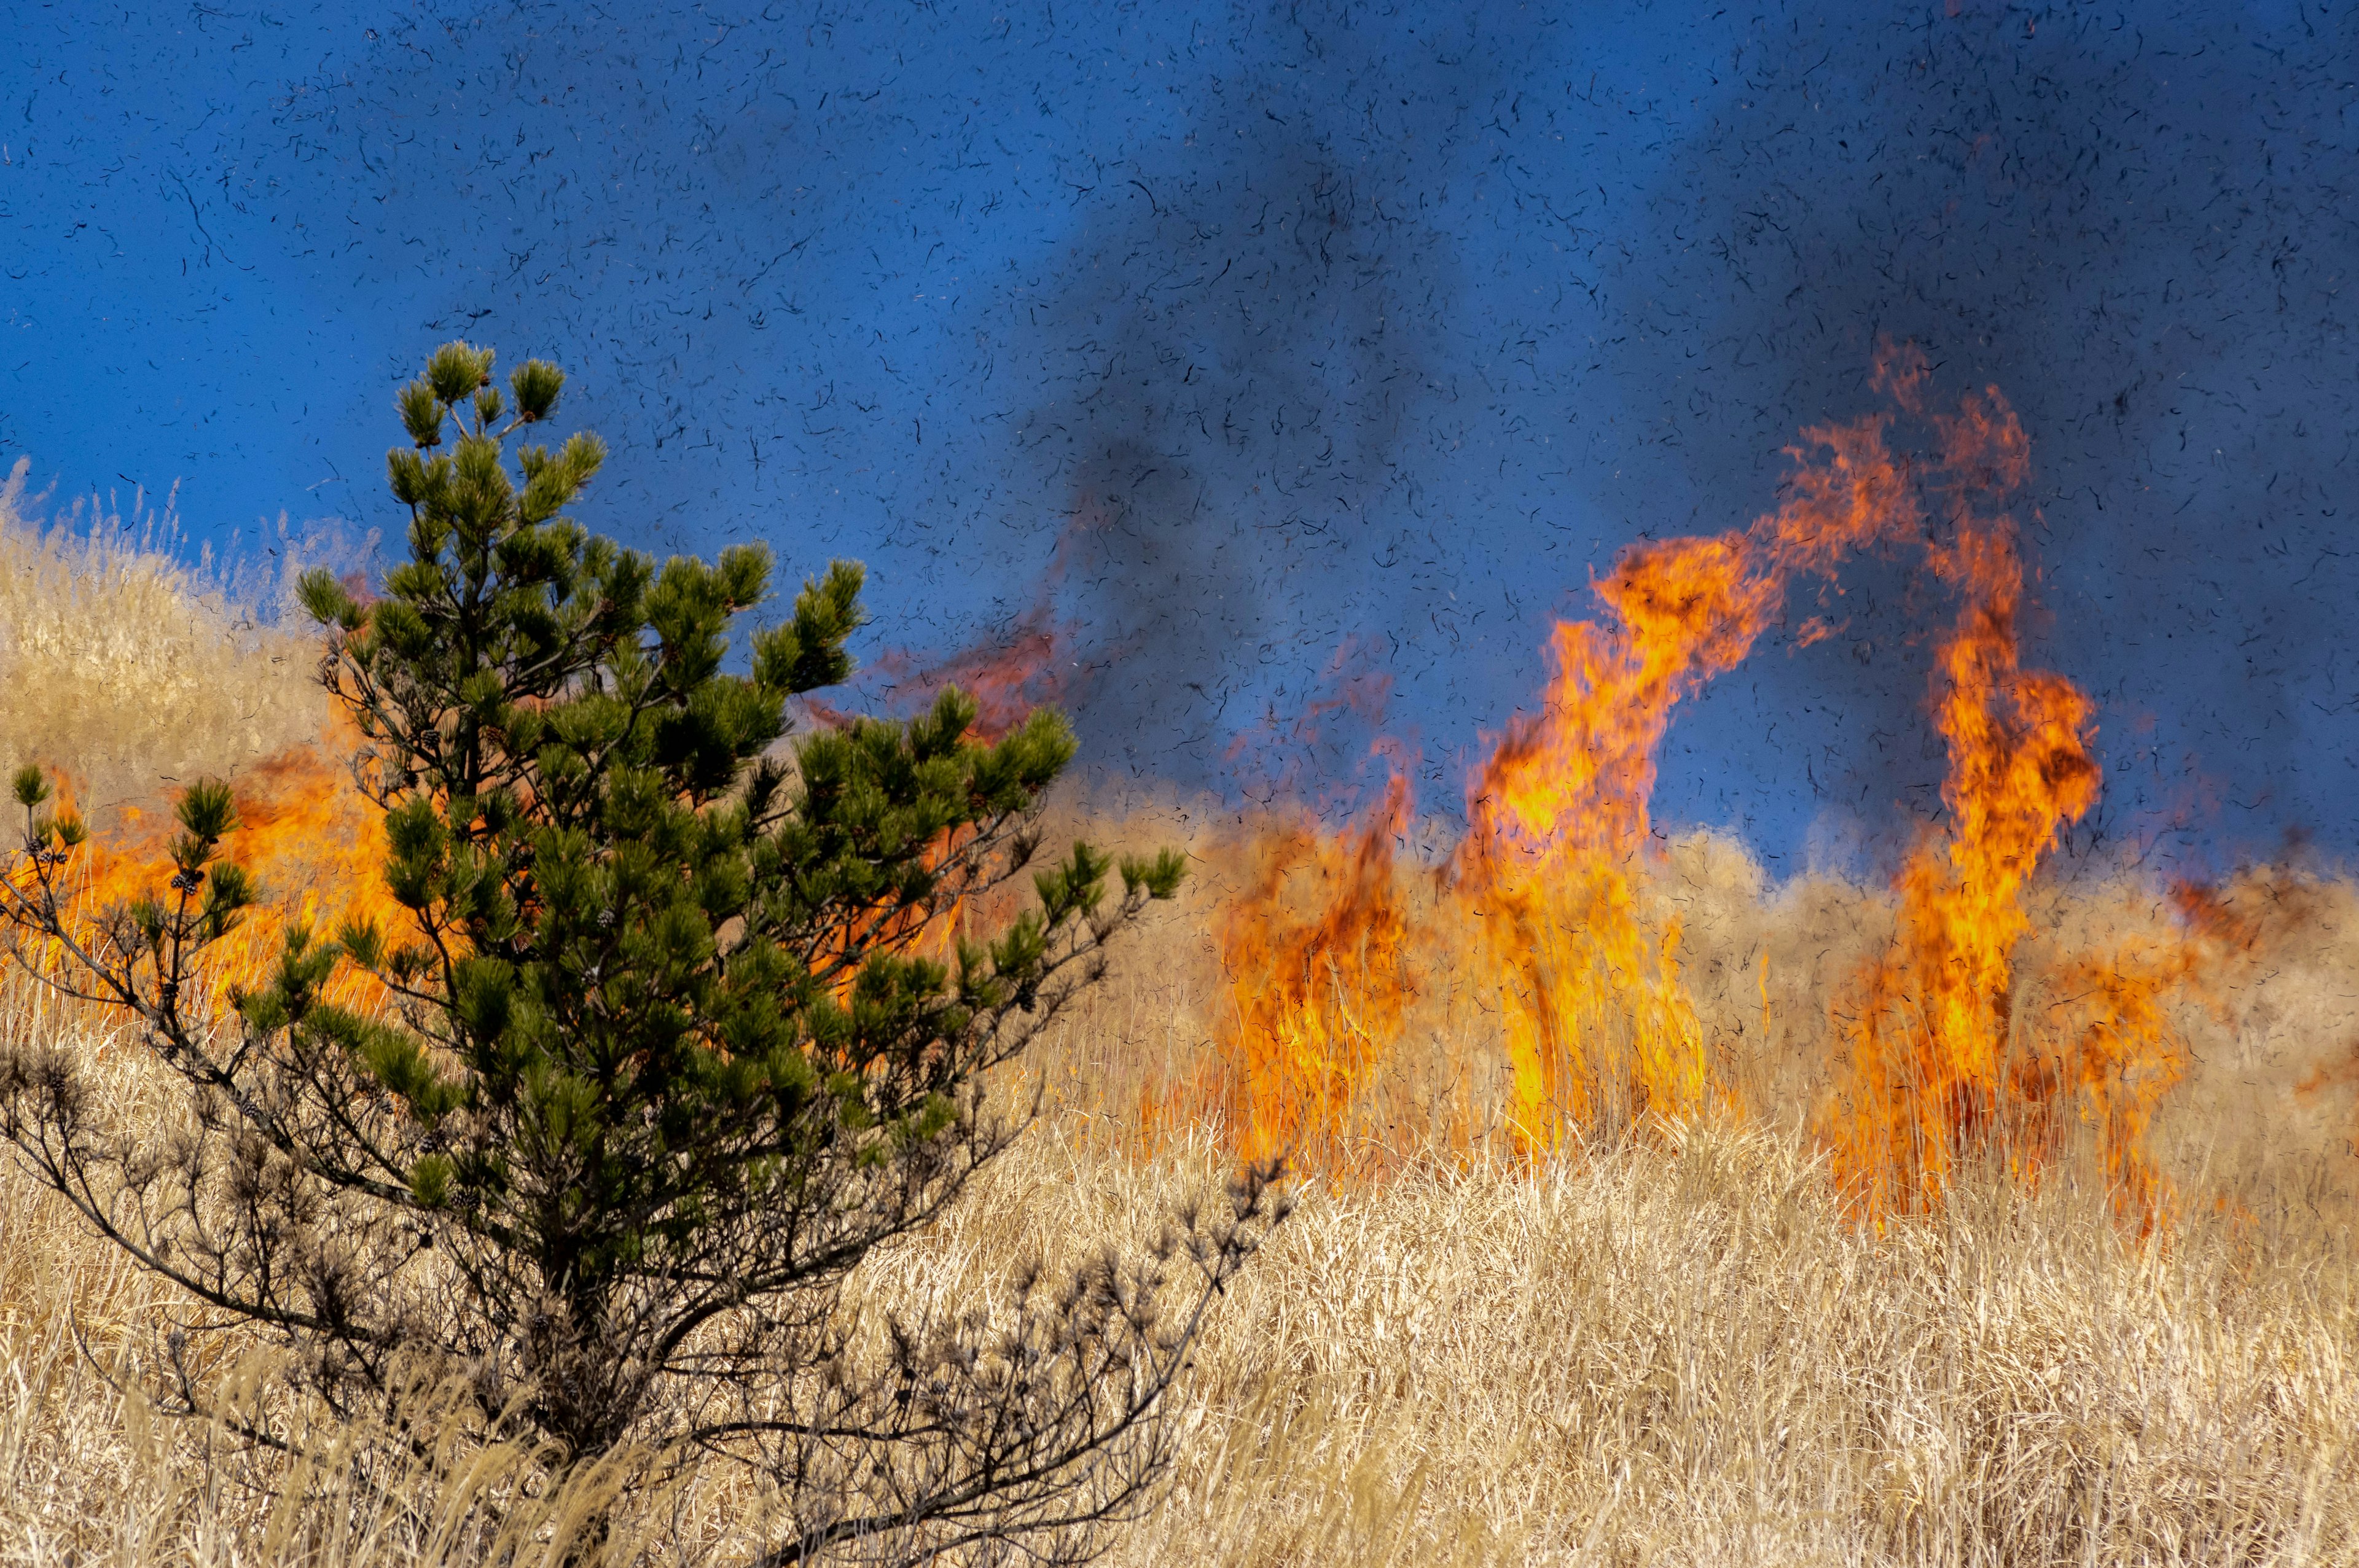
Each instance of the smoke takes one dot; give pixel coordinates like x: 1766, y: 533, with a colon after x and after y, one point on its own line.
x: 1279, y: 324
x: 1239, y: 341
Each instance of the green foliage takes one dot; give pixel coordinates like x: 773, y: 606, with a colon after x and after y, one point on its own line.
x: 670, y: 1046
x: 655, y: 961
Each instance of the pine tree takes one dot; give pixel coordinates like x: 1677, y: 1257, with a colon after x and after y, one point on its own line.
x: 673, y: 1041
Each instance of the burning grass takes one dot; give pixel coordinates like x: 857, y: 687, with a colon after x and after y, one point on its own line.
x: 1546, y: 898
x: 1657, y: 1211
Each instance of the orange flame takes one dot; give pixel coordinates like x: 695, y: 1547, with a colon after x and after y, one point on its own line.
x: 1963, y: 1038
x: 1546, y: 899
x: 1541, y: 897
x: 1940, y: 1062
x: 315, y: 845
x: 1558, y: 815
x: 1319, y: 997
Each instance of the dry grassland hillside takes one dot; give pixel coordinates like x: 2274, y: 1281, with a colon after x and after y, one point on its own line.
x: 1671, y: 1345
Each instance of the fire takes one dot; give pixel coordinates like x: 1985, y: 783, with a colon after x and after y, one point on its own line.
x: 1931, y: 1031
x: 1547, y: 901
x: 1557, y: 823
x: 1972, y: 1035
x: 1942, y: 1061
x: 314, y: 845
x: 1542, y: 899
x: 1318, y: 995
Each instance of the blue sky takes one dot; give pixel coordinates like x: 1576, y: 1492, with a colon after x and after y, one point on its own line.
x: 1388, y: 324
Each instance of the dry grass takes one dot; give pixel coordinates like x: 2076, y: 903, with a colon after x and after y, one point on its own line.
x: 1671, y: 1350
x: 129, y: 669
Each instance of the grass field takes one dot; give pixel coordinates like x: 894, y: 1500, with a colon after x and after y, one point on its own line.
x: 1672, y: 1346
